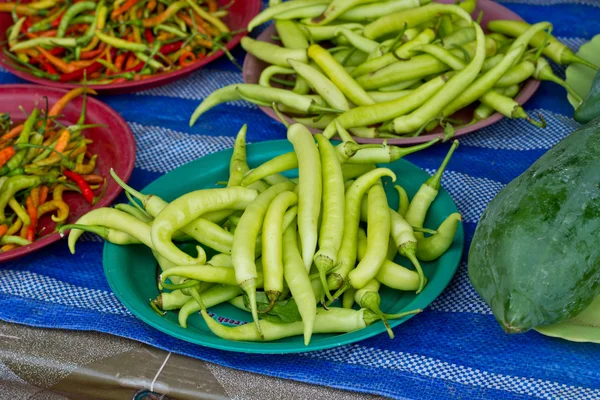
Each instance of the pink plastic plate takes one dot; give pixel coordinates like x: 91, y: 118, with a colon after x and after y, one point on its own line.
x: 253, y: 67
x: 240, y: 13
x: 114, y: 145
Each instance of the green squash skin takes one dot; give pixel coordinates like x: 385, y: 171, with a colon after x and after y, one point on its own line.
x: 535, y: 255
x: 590, y: 108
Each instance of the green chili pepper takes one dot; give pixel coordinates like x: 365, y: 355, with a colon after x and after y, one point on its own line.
x: 123, y: 44
x: 16, y: 184
x: 45, y: 41
x: 46, y: 23
x: 28, y: 126
x: 334, y: 320
x: 71, y: 13
x: 115, y: 219
x: 14, y: 31
x: 150, y: 61
x: 32, y: 153
x: 91, y: 31
x: 84, y: 19
x: 16, y: 160
x: 432, y: 247
x: 14, y: 240
x: 170, y: 29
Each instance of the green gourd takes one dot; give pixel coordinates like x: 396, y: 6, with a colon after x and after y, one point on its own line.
x: 535, y: 255
x: 590, y: 108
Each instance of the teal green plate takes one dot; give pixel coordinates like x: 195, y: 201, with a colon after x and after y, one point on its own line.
x: 131, y: 270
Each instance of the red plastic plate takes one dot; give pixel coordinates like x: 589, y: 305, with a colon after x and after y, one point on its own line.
x: 240, y: 13
x: 253, y: 67
x: 114, y: 145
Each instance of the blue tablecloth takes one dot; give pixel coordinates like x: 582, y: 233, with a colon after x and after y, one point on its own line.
x: 454, y: 349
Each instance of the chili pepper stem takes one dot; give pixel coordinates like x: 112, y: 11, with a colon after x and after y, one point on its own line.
x: 99, y: 197
x: 249, y: 286
x: 434, y: 181
x: 324, y: 305
x: 272, y: 296
x: 397, y: 152
x: 370, y: 301
x: 345, y: 286
x: 370, y: 317
x: 280, y: 115
x: 184, y: 285
x: 539, y: 124
x: 404, y: 314
x: 324, y: 264
x: 154, y: 304
x: 196, y: 295
x: 342, y: 132
x: 350, y: 148
x: 409, y: 251
x: 141, y: 197
x: 397, y: 39
x: 571, y: 58
x: 158, y: 301
x: 134, y: 202
x: 564, y: 84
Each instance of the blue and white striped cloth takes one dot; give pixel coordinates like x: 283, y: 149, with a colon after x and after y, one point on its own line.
x: 454, y: 350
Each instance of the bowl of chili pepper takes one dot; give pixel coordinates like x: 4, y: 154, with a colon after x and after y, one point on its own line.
x: 118, y: 47
x: 56, y: 149
x: 345, y: 41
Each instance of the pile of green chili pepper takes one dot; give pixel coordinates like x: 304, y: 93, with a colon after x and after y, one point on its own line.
x: 394, y: 68
x: 40, y: 159
x: 286, y: 248
x: 103, y: 42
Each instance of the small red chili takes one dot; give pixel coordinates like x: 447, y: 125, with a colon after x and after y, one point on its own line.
x: 170, y: 48
x: 149, y: 36
x: 86, y: 190
x: 48, y: 67
x: 56, y: 22
x: 186, y: 58
x: 33, y: 215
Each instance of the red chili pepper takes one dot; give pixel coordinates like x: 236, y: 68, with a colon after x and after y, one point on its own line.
x: 170, y: 48
x: 78, y: 75
x: 48, y: 67
x: 136, y: 68
x: 87, y: 55
x: 26, y: 25
x: 86, y: 190
x: 57, y: 51
x: 132, y: 61
x: 6, y: 154
x: 33, y: 215
x: 56, y: 22
x: 148, y: 35
x: 43, y: 194
x: 120, y: 60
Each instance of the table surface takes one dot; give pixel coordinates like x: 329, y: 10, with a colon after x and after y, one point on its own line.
x: 55, y: 364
